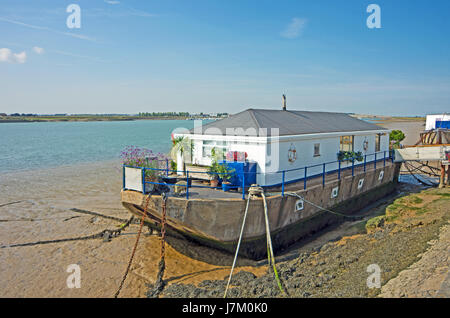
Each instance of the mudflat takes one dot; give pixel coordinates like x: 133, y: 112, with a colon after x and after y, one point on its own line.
x: 36, y: 206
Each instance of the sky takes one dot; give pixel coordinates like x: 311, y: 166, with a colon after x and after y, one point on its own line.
x: 131, y: 56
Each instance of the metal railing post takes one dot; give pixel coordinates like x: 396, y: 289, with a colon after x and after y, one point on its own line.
x: 187, y: 184
x: 353, y: 167
x: 123, y: 177
x: 304, y: 180
x: 365, y: 162
x: 323, y: 175
x: 143, y: 179
x: 167, y: 167
x: 243, y: 185
x: 375, y: 162
x: 339, y: 169
x: 282, y: 185
x: 384, y: 159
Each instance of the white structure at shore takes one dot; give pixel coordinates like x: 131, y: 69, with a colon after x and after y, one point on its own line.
x: 285, y: 140
x: 437, y: 121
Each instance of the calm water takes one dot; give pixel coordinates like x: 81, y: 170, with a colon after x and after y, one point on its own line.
x: 25, y: 146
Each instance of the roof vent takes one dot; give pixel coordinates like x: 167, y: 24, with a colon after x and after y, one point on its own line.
x: 284, y: 102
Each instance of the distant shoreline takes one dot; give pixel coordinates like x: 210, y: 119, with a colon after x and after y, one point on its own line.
x: 93, y: 118
x: 38, y: 119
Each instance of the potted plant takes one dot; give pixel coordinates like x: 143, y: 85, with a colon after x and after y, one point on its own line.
x: 213, y: 172
x: 226, y: 175
x: 350, y: 156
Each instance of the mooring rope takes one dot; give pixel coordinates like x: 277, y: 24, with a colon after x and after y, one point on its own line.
x: 322, y: 208
x: 237, y: 248
x: 407, y: 165
x: 257, y: 190
x: 270, y: 256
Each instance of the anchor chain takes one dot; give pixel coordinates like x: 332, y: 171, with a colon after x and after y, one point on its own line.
x: 134, y: 248
x: 160, y: 284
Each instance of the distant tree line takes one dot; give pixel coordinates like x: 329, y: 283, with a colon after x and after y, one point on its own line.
x: 24, y: 115
x: 177, y: 114
x: 164, y: 114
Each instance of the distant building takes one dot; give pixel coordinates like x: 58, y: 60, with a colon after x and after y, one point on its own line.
x: 437, y: 121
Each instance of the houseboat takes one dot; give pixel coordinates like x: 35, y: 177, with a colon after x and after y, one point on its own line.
x: 307, y: 163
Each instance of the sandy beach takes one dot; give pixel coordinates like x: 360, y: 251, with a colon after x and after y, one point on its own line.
x: 35, y: 206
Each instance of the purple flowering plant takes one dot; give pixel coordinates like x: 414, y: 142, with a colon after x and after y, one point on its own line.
x: 142, y: 157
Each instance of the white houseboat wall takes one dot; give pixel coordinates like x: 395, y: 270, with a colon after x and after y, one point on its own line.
x: 274, y: 154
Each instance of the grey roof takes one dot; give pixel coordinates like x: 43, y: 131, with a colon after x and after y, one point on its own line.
x: 289, y: 122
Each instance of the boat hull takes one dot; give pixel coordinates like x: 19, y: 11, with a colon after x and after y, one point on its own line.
x: 217, y: 222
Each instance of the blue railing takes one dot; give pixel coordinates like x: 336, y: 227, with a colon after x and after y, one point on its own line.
x: 302, y: 172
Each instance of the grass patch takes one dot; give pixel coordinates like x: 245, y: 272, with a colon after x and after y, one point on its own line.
x: 375, y: 222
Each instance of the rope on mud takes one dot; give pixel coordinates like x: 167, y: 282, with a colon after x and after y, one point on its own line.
x: 36, y: 220
x: 134, y: 248
x: 407, y: 165
x: 322, y: 208
x: 98, y: 214
x: 237, y: 248
x: 107, y: 232
x: 15, y: 202
x: 421, y: 170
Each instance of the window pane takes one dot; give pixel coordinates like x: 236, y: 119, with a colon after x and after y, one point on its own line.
x: 346, y: 143
x: 377, y: 142
x: 316, y: 149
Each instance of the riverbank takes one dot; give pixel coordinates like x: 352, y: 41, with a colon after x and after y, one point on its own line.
x: 393, y: 242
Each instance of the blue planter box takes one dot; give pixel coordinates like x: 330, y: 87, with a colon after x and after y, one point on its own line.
x: 247, y: 167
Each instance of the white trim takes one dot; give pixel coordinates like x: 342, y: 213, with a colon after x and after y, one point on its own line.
x: 270, y: 139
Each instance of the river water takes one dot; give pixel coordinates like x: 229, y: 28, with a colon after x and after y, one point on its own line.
x: 29, y: 146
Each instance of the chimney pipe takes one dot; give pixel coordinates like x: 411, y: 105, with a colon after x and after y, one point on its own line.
x: 284, y: 102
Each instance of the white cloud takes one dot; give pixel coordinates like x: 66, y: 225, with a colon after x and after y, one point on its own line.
x: 38, y: 50
x: 37, y: 27
x: 294, y: 29
x: 6, y: 55
x: 20, y: 57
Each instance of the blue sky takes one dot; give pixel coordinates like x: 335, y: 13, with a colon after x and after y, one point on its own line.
x: 213, y: 56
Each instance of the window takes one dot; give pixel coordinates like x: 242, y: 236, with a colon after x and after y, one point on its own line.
x: 346, y: 143
x: 220, y: 147
x: 316, y: 150
x: 377, y: 142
